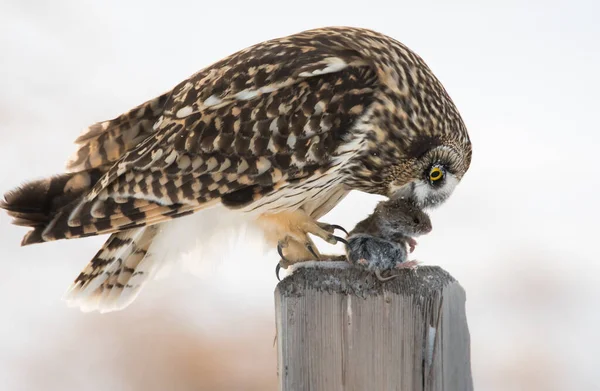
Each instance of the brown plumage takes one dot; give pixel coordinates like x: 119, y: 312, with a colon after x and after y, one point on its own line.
x: 282, y: 131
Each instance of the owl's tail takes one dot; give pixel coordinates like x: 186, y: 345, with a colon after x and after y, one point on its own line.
x: 114, y: 277
x: 36, y: 204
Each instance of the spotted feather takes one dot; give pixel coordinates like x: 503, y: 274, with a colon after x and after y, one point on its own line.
x: 286, y: 135
x: 105, y: 142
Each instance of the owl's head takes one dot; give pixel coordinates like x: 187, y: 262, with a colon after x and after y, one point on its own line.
x: 428, y: 180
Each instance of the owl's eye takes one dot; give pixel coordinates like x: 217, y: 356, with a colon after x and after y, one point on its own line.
x: 436, y: 174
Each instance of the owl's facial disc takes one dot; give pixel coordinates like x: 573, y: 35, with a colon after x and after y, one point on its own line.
x: 434, y: 178
x: 431, y: 192
x: 425, y: 193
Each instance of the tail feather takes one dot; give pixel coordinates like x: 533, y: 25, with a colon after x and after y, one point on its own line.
x: 36, y: 203
x: 114, y: 277
x: 105, y: 142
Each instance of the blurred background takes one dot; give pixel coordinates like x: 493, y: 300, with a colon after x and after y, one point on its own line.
x: 520, y: 233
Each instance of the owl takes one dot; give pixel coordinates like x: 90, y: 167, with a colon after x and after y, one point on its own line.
x: 273, y: 137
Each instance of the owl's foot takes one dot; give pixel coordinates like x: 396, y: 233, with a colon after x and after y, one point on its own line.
x: 290, y: 230
x: 299, y: 247
x: 330, y: 228
x: 325, y: 231
x: 295, y: 251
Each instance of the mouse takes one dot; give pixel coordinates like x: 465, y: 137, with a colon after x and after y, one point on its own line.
x: 384, y: 239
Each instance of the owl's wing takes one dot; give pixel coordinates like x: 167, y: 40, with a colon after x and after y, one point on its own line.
x: 105, y: 142
x: 232, y: 133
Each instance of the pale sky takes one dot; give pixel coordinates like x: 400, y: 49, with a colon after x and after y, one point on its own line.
x: 520, y: 232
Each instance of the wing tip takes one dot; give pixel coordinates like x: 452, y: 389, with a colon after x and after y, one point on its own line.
x: 33, y: 237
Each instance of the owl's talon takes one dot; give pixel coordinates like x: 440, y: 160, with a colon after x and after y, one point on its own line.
x: 338, y: 239
x: 335, y: 226
x: 310, y: 248
x: 283, y: 260
x: 299, y: 247
x: 280, y: 250
x: 327, y: 231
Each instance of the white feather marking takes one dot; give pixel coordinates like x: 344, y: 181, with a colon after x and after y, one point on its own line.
x: 73, y: 221
x: 251, y: 94
x: 97, y: 210
x: 155, y: 155
x: 269, y: 88
x: 291, y: 141
x: 184, y: 112
x: 246, y: 94
x: 158, y: 122
x: 262, y: 165
x: 171, y: 157
x: 335, y: 64
x: 424, y: 191
x: 212, y: 100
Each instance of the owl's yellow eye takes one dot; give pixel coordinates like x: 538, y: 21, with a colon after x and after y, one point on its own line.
x: 436, y: 174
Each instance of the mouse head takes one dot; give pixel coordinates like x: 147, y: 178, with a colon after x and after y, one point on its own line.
x: 403, y: 216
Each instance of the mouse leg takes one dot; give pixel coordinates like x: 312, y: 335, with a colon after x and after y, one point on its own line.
x: 412, y: 243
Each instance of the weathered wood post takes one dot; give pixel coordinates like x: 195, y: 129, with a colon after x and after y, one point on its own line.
x: 342, y: 329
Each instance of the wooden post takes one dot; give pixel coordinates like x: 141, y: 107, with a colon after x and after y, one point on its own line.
x: 342, y: 329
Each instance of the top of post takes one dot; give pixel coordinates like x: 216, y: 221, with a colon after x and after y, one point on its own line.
x: 353, y: 281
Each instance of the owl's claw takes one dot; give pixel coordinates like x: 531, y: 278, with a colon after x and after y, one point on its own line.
x: 325, y: 231
x: 335, y: 226
x: 310, y: 248
x: 342, y: 240
x: 300, y: 252
x: 283, y: 260
x: 298, y: 245
x: 280, y: 250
